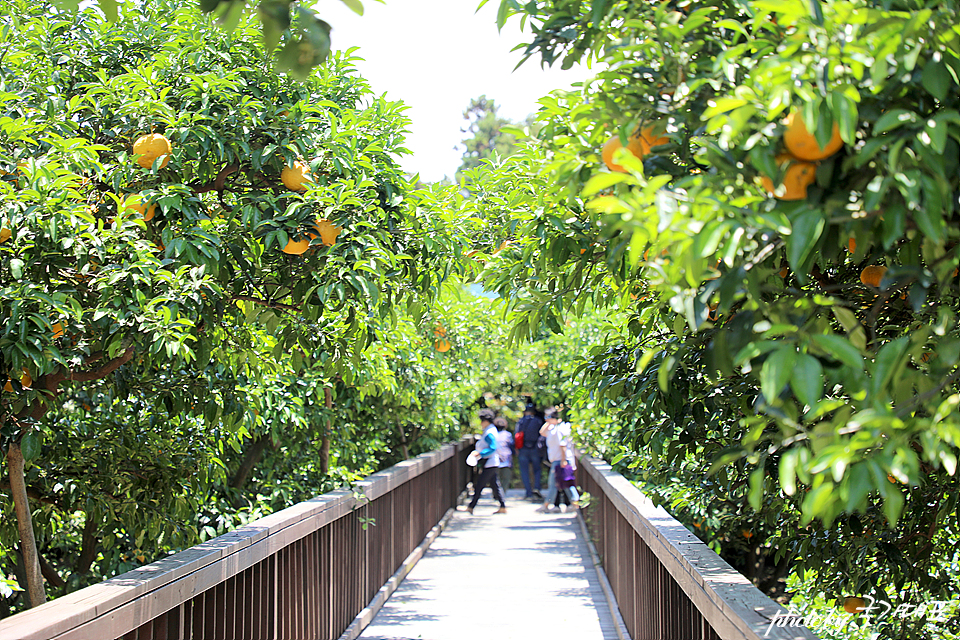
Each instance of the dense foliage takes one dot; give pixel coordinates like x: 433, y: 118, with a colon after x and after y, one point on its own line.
x: 166, y: 325
x: 768, y: 379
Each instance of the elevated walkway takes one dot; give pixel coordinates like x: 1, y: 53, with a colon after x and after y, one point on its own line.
x: 521, y: 575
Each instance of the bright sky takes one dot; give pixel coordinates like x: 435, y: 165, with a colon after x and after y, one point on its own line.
x: 435, y: 55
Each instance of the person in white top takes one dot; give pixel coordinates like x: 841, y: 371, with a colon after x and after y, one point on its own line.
x: 560, y: 454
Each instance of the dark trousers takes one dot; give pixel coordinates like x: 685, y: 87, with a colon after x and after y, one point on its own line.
x: 489, y: 476
x: 530, y: 458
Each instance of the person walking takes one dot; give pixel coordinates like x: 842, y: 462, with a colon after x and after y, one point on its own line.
x: 505, y: 450
x: 490, y: 462
x: 561, y: 455
x: 529, y: 454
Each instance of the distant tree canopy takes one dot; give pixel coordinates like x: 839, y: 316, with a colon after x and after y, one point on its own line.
x: 487, y: 134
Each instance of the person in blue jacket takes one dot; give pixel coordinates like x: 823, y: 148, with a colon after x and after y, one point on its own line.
x: 490, y: 462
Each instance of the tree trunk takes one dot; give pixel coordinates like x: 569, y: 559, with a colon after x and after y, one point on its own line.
x: 50, y: 573
x: 28, y: 542
x: 88, y: 544
x: 325, y: 442
x: 250, y: 460
x: 403, y: 442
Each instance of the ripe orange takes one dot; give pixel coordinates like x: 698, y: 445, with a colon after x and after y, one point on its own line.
x: 146, y: 211
x: 798, y: 177
x: 5, y: 234
x: 442, y: 345
x: 328, y: 232
x: 295, y: 177
x: 150, y: 147
x: 25, y: 380
x: 57, y: 330
x: 638, y: 144
x: 747, y: 534
x: 852, y: 604
x: 802, y: 144
x: 872, y: 275
x: 852, y: 245
x: 439, y: 331
x: 296, y: 247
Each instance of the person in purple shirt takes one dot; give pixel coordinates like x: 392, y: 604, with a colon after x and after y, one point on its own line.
x: 505, y: 449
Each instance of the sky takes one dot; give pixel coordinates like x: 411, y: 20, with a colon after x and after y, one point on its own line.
x: 435, y: 55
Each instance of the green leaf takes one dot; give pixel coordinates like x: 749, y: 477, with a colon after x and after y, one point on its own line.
x: 893, y: 119
x: 597, y: 11
x: 16, y: 268
x: 355, y: 5
x: 756, y: 488
x: 30, y: 446
x: 845, y: 114
x: 936, y: 79
x: 274, y: 20
x: 602, y: 181
x: 109, y: 8
x: 807, y: 380
x: 776, y: 371
x: 788, y: 472
x: 893, y: 505
x: 840, y: 348
x: 805, y: 233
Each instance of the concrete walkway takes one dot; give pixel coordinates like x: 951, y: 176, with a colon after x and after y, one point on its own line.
x: 522, y: 576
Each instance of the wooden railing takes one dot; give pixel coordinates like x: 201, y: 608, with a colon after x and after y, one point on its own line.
x: 668, y: 584
x: 304, y: 572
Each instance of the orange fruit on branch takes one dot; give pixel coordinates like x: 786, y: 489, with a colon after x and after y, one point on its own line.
x: 442, y: 345
x: 798, y: 177
x: 872, y: 275
x: 296, y: 247
x: 638, y: 144
x: 439, y: 331
x: 147, y: 211
x: 25, y: 381
x: 803, y: 144
x: 328, y: 232
x: 150, y: 147
x: 853, y: 604
x: 296, y: 177
x: 57, y: 330
x: 852, y: 245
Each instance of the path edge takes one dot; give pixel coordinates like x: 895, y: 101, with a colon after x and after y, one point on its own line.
x: 368, y: 613
x: 622, y: 632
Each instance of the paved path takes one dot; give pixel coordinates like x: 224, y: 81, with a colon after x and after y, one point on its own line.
x: 519, y: 576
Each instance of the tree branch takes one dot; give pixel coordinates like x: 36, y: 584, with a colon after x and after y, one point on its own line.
x: 267, y: 303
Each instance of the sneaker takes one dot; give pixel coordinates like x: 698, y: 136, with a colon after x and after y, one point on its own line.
x: 563, y: 508
x: 500, y: 510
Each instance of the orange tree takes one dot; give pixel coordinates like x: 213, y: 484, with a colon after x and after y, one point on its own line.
x: 153, y: 239
x: 297, y: 36
x: 823, y: 393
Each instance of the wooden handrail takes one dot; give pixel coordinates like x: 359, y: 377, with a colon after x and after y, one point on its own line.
x: 122, y: 604
x: 730, y: 604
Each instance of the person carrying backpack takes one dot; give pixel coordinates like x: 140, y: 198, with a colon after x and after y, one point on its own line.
x: 529, y: 453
